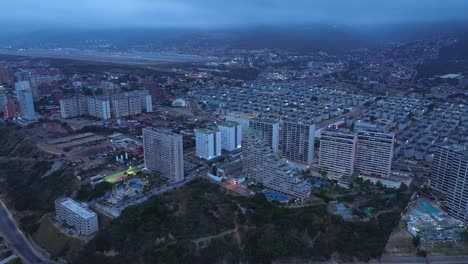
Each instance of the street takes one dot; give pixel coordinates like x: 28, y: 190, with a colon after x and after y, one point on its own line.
x: 20, y: 245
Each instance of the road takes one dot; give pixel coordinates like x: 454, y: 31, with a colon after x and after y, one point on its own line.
x: 428, y: 260
x: 20, y: 245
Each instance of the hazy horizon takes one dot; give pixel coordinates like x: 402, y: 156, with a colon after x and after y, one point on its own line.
x: 205, y: 14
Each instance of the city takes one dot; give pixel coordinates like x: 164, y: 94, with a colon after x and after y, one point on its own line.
x: 230, y: 146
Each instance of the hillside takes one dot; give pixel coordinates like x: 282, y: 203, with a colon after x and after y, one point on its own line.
x: 23, y: 185
x: 200, y: 223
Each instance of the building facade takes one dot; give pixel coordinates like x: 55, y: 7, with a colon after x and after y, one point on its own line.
x: 99, y: 107
x: 207, y: 143
x: 25, y: 99
x: 449, y: 177
x: 76, y: 215
x: 264, y: 165
x: 73, y: 106
x: 241, y: 119
x: 164, y: 152
x: 269, y: 129
x: 374, y: 153
x: 231, y: 135
x: 298, y: 142
x: 337, y: 153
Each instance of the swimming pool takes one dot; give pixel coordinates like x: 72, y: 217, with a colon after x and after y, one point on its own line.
x: 428, y: 208
x: 275, y: 196
x: 318, y: 183
x: 136, y: 185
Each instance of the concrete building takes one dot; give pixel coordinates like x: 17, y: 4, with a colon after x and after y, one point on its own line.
x: 146, y: 101
x: 374, y: 153
x: 9, y: 110
x: 337, y: 153
x: 25, y: 99
x: 73, y: 106
x: 241, y: 119
x: 269, y: 129
x: 20, y: 86
x: 99, y: 107
x: 262, y: 164
x: 449, y: 177
x: 231, y: 135
x: 3, y: 101
x: 298, y: 142
x: 76, y: 215
x: 207, y: 143
x: 164, y: 152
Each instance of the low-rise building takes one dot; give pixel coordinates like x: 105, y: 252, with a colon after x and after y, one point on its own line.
x: 76, y: 215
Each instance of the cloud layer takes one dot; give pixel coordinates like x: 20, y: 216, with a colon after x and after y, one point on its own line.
x: 222, y: 13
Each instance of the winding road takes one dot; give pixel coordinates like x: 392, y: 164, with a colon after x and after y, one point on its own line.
x: 17, y: 241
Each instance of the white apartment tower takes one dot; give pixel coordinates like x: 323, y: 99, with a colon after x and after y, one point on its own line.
x: 449, y: 177
x: 73, y: 106
x: 269, y: 130
x: 298, y: 142
x: 231, y: 135
x: 25, y: 99
x: 164, y: 152
x: 21, y: 86
x: 241, y: 119
x: 76, y: 215
x: 99, y: 107
x: 374, y: 153
x: 207, y: 143
x: 264, y: 165
x: 337, y: 153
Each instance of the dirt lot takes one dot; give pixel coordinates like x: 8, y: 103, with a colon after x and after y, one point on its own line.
x: 400, y: 242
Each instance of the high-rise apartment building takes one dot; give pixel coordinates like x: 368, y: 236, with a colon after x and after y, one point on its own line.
x: 25, y: 99
x: 73, y: 106
x: 269, y: 129
x: 21, y: 86
x: 264, y: 165
x: 9, y: 110
x: 337, y: 153
x: 76, y: 215
x: 241, y: 119
x: 449, y: 177
x: 231, y: 135
x: 146, y: 101
x: 374, y: 153
x: 99, y: 107
x: 164, y: 152
x: 207, y: 143
x: 298, y: 142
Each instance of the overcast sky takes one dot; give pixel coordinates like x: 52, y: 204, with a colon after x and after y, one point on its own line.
x: 220, y: 13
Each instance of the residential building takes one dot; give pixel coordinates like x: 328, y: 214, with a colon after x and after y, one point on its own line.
x: 231, y: 135
x: 99, y: 107
x: 3, y: 101
x: 77, y: 216
x: 264, y: 165
x: 374, y: 153
x: 269, y: 129
x: 9, y: 110
x: 207, y: 143
x: 449, y: 177
x: 73, y: 106
x: 164, y: 152
x: 298, y: 142
x: 241, y: 119
x: 20, y: 86
x: 337, y: 153
x: 25, y: 99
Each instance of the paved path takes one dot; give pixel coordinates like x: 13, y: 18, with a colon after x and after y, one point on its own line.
x: 428, y: 260
x: 15, y: 238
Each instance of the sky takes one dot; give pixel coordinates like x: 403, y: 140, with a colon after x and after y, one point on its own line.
x: 223, y: 13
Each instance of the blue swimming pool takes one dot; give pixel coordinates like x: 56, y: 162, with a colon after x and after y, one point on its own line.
x: 136, y: 185
x: 428, y: 208
x: 275, y: 196
x: 318, y: 183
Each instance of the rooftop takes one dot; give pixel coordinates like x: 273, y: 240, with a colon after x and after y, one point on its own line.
x: 77, y: 208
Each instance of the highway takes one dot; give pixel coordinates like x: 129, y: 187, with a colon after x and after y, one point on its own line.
x: 20, y: 245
